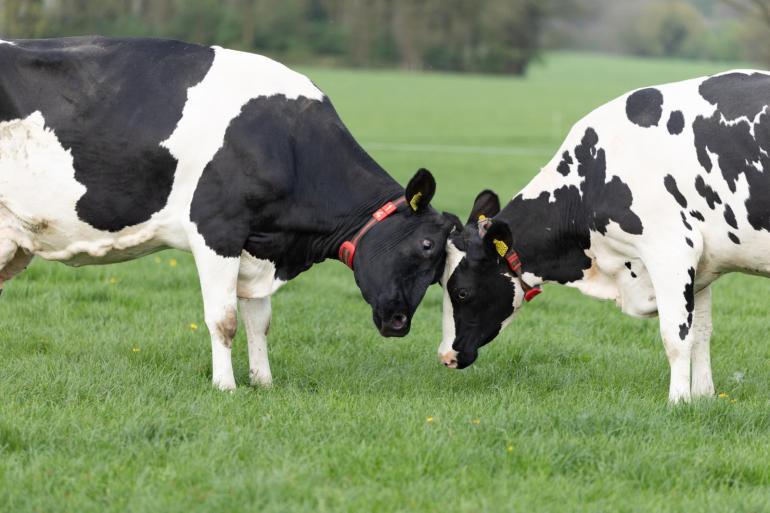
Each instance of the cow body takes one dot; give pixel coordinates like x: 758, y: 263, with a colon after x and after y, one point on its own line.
x: 650, y: 198
x: 111, y: 149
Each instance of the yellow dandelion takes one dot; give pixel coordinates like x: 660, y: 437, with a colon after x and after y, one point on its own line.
x: 172, y: 262
x: 158, y: 260
x: 135, y: 349
x: 722, y: 395
x: 476, y: 421
x: 193, y: 326
x: 429, y: 420
x: 113, y: 280
x: 733, y: 400
x: 509, y: 448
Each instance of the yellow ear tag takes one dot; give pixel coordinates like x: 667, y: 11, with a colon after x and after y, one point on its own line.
x: 501, y: 247
x: 415, y: 201
x: 482, y: 217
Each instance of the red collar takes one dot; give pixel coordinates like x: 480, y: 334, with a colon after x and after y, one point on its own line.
x: 515, y: 265
x: 348, y: 248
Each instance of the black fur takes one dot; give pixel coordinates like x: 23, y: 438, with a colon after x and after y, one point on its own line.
x: 684, y: 221
x: 730, y: 217
x: 689, y: 298
x: 711, y: 197
x: 564, y: 165
x: 670, y: 183
x: 675, y: 123
x: 645, y: 107
x: 738, y: 95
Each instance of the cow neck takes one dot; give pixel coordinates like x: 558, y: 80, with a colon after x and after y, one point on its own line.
x: 545, y: 240
x: 328, y: 223
x: 348, y: 248
x: 360, y: 219
x: 338, y: 187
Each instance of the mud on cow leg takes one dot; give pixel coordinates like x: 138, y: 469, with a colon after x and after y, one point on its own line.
x: 218, y: 277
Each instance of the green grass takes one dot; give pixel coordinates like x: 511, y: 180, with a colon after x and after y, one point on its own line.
x: 106, y: 403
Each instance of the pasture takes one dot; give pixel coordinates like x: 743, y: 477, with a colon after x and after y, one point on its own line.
x: 106, y: 402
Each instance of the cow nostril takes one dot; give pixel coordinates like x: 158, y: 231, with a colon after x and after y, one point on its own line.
x: 398, y: 321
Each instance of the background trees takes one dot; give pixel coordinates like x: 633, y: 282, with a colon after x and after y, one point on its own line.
x: 493, y: 36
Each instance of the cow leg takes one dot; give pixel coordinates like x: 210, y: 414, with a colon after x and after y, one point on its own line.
x: 674, y: 283
x: 702, y: 383
x: 256, y: 314
x: 13, y: 260
x: 219, y: 277
x: 7, y: 252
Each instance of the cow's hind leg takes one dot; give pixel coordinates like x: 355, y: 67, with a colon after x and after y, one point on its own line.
x: 702, y: 382
x: 219, y: 277
x: 256, y: 314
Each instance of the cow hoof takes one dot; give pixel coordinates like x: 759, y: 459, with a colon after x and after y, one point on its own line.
x: 223, y: 385
x: 261, y: 380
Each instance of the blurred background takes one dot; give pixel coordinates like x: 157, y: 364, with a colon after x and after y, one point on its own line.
x: 488, y: 36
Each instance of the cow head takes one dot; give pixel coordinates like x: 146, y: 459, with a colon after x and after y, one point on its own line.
x: 481, y: 293
x: 401, y: 257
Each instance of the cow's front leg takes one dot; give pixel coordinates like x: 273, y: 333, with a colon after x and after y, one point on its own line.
x: 219, y: 277
x: 702, y: 382
x: 256, y: 314
x: 674, y: 294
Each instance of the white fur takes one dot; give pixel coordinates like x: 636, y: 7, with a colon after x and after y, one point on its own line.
x: 453, y: 258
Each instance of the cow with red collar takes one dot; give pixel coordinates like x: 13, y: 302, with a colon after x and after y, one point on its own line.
x: 650, y: 198
x: 111, y: 149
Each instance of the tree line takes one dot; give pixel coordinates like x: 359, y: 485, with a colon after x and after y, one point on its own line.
x: 490, y: 36
x: 497, y: 36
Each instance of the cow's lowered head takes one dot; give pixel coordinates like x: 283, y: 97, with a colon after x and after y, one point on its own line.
x: 481, y: 293
x: 401, y: 257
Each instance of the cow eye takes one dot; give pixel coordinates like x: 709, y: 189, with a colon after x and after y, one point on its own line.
x: 427, y: 245
x: 462, y: 294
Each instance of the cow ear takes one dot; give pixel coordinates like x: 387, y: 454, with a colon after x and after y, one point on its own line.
x: 454, y: 220
x: 498, y: 239
x: 487, y: 204
x: 420, y: 190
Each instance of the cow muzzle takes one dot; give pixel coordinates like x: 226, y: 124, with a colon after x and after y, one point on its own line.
x: 449, y: 359
x: 458, y: 360
x: 397, y: 325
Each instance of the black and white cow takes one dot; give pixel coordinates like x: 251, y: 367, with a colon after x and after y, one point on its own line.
x: 111, y: 149
x: 651, y: 198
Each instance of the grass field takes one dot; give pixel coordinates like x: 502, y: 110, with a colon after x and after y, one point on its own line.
x: 105, y: 396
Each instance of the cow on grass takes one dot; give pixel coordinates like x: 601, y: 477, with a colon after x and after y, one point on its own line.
x: 651, y: 198
x: 111, y: 149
